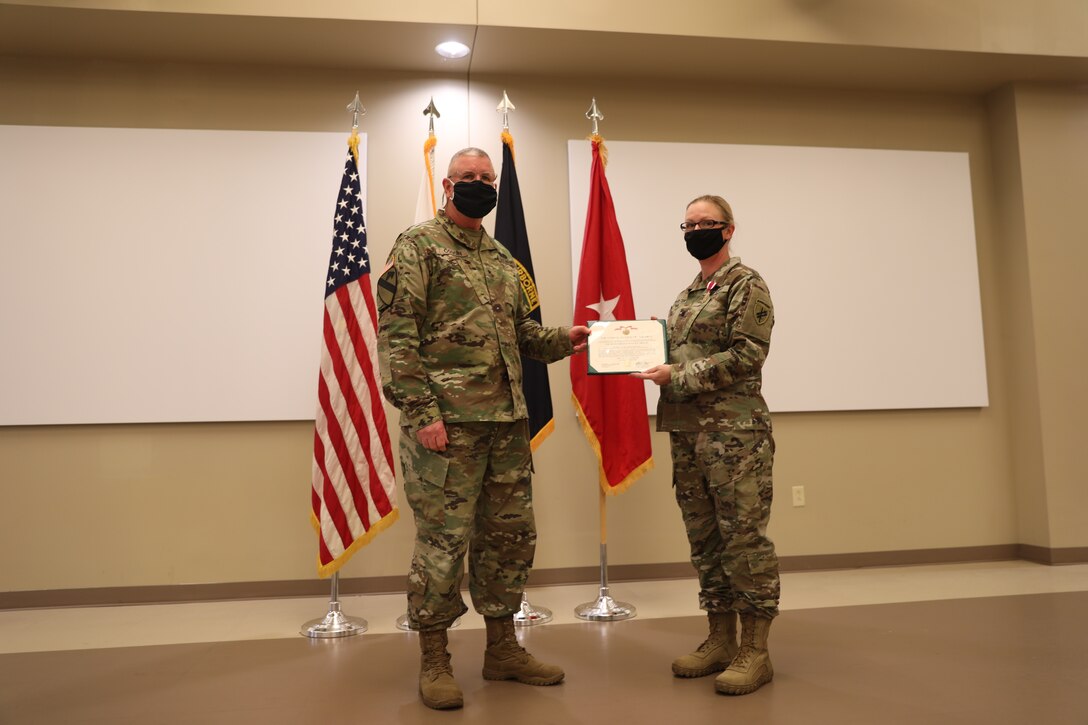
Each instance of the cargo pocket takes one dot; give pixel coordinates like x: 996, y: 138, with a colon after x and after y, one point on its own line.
x: 424, y: 486
x: 763, y: 566
x: 750, y: 570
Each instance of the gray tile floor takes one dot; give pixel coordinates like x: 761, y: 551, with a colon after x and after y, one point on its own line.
x: 1003, y: 659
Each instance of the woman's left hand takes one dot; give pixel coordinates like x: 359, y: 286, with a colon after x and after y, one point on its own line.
x: 659, y: 374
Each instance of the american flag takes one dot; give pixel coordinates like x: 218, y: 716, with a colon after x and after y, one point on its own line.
x: 353, y: 480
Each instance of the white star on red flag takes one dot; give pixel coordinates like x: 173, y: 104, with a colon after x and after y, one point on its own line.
x: 604, y: 308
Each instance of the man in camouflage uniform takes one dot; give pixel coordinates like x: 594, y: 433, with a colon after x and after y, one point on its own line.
x: 719, y: 332
x: 454, y: 322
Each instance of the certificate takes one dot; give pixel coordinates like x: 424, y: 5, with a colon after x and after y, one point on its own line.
x: 626, y: 346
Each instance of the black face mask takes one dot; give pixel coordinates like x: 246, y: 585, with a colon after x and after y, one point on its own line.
x: 474, y: 199
x: 704, y: 243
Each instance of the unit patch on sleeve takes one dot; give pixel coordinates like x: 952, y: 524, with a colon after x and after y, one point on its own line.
x: 387, y: 287
x: 528, y: 287
x: 758, y: 317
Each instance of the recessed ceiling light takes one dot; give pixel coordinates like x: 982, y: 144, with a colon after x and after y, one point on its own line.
x: 451, y: 49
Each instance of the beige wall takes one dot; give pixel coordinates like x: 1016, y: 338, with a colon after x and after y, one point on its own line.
x: 1018, y: 335
x: 1040, y: 139
x: 1053, y: 134
x: 99, y: 506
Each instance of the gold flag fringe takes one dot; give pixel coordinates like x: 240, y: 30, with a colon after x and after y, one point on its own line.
x: 541, y: 434
x: 327, y: 570
x: 591, y: 436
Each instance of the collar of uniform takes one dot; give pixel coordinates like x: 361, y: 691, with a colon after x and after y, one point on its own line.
x: 700, y: 284
x: 460, y: 235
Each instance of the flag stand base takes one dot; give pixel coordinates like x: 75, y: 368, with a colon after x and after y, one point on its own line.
x: 335, y: 623
x: 605, y: 609
x: 528, y: 615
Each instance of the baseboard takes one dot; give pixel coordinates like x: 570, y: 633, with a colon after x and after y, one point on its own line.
x: 179, y: 593
x: 1045, y: 555
x: 175, y: 593
x: 858, y: 560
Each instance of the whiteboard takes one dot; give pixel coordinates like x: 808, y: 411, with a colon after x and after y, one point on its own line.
x: 163, y: 275
x: 869, y: 255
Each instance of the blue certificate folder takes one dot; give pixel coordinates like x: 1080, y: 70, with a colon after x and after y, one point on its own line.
x: 619, y: 347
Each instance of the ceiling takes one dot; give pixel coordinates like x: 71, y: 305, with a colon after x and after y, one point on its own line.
x: 36, y: 31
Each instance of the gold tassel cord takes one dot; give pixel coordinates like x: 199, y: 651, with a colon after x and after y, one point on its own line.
x: 428, y: 163
x: 602, y: 150
x: 509, y: 141
x: 353, y: 144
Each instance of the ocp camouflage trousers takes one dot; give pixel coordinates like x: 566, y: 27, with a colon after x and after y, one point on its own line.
x: 722, y: 481
x: 474, y: 497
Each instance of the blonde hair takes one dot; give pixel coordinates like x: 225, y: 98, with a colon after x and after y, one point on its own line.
x: 718, y: 202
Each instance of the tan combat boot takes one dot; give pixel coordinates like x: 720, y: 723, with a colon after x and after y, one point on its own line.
x: 504, y: 658
x: 437, y: 687
x: 715, y: 653
x: 751, y: 668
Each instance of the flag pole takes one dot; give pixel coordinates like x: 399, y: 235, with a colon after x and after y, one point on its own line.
x: 425, y: 209
x: 431, y: 112
x: 605, y: 609
x: 527, y: 615
x: 335, y: 623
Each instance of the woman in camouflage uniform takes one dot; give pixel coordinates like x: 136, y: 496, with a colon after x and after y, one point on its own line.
x: 719, y: 332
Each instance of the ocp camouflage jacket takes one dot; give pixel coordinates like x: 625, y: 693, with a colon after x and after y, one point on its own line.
x: 453, y: 323
x: 719, y: 334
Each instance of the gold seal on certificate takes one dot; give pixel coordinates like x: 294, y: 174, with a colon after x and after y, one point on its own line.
x: 618, y: 347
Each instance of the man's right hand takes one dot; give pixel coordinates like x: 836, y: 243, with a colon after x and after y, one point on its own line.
x: 433, y: 436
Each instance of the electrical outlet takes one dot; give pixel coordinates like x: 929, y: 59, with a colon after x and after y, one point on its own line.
x: 798, y: 495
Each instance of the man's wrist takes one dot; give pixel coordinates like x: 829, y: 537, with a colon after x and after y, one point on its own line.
x: 425, y: 418
x: 568, y: 344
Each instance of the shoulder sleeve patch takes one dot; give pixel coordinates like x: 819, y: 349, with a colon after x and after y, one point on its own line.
x: 758, y: 316
x: 528, y: 287
x: 387, y: 287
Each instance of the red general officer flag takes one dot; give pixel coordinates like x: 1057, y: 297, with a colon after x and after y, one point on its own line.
x: 611, y: 408
x: 353, y: 494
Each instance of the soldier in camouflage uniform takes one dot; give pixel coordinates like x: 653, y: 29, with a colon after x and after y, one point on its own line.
x: 454, y: 322
x: 719, y: 332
